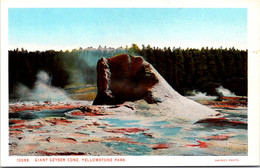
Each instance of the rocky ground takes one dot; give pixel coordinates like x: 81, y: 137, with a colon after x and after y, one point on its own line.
x: 77, y: 128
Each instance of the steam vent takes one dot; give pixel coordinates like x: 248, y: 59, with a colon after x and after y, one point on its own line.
x: 126, y: 78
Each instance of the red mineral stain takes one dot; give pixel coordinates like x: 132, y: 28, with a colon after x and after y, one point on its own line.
x: 200, y: 145
x: 39, y: 107
x: 47, y: 102
x: 225, y: 106
x: 222, y: 121
x: 218, y: 137
x: 231, y: 98
x: 59, y: 153
x: 16, y: 121
x: 130, y: 130
x: 60, y: 121
x: 77, y: 113
x: 212, y: 120
x: 127, y: 130
x: 160, y: 146
x: 62, y: 140
x: 18, y: 126
x: 237, y: 123
x: 96, y: 124
x: 82, y: 127
x: 228, y: 102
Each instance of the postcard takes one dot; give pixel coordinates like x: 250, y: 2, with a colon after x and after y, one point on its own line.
x: 129, y: 83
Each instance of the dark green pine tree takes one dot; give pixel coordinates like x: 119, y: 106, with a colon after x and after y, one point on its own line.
x: 189, y: 67
x: 143, y: 52
x: 229, y: 63
x: 201, y: 69
x: 168, y: 63
x: 220, y: 64
x: 211, y: 64
x: 149, y: 54
x: 179, y: 71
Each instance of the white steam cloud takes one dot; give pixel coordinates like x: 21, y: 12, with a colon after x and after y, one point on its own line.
x: 201, y: 96
x: 42, y: 90
x: 225, y: 91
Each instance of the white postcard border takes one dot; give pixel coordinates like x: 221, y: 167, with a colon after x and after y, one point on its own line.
x: 253, y: 7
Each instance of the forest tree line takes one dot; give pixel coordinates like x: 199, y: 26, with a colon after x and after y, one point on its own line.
x: 184, y: 69
x: 199, y: 69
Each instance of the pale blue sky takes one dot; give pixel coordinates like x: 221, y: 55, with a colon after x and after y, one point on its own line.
x: 68, y: 28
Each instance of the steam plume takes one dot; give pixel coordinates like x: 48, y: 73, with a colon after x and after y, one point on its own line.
x: 42, y: 90
x: 225, y: 91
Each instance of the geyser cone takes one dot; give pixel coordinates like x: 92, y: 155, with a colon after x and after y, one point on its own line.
x: 123, y: 78
x: 130, y: 78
